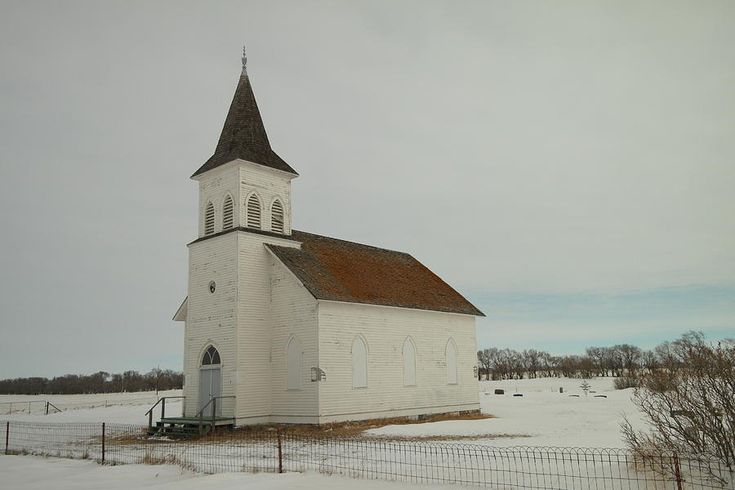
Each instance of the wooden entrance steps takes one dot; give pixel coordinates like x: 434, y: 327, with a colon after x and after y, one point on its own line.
x: 186, y: 427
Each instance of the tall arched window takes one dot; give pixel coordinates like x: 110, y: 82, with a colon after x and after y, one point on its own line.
x: 359, y: 363
x: 253, y: 208
x: 277, y: 216
x: 209, y: 219
x: 294, y: 355
x: 227, y: 212
x: 451, y: 358
x: 210, y: 357
x: 409, y: 363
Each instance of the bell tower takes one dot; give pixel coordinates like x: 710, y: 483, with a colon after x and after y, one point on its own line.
x: 244, y: 171
x: 244, y: 204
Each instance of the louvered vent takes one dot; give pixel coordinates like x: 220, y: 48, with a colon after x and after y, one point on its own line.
x: 209, y: 219
x: 227, y: 213
x: 277, y: 216
x: 253, y: 212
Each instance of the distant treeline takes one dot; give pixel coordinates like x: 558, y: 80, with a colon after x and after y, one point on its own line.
x: 101, y: 382
x: 623, y: 360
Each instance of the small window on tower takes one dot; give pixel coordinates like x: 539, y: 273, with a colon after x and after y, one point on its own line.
x: 209, y: 219
x: 253, y: 206
x: 227, y: 210
x: 277, y: 216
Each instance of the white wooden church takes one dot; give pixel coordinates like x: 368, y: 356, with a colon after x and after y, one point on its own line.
x: 284, y: 326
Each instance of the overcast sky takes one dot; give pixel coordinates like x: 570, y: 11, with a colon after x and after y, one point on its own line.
x: 568, y: 165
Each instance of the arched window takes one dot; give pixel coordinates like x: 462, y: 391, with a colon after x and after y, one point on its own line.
x: 209, y: 219
x: 451, y: 358
x: 210, y: 357
x: 227, y: 211
x: 294, y: 354
x: 277, y: 216
x: 359, y: 363
x: 253, y: 206
x: 409, y: 363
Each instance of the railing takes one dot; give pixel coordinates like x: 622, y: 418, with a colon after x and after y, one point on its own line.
x: 213, y: 402
x: 162, y: 401
x: 46, y: 404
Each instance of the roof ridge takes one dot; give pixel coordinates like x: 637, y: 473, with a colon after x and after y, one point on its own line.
x: 353, y: 243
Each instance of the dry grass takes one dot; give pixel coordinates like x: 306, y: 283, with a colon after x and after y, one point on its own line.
x: 351, y: 429
x: 333, y: 430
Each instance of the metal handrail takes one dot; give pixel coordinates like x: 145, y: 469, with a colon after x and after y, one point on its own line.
x: 162, y: 401
x: 212, y: 401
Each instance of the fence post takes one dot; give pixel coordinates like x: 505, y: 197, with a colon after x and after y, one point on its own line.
x: 280, y: 451
x: 46, y: 408
x: 103, y: 443
x: 677, y: 473
x: 7, y: 436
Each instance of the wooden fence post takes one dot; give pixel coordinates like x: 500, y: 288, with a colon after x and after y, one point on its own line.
x: 7, y: 436
x: 280, y: 452
x: 103, y: 443
x: 677, y: 473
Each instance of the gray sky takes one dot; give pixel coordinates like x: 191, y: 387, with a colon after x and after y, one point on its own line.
x: 568, y: 165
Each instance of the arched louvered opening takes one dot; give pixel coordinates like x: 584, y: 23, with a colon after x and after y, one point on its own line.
x: 294, y: 353
x: 359, y: 363
x: 451, y: 358
x: 277, y: 216
x: 253, y: 211
x: 210, y: 357
x: 209, y: 219
x: 409, y: 363
x: 227, y: 213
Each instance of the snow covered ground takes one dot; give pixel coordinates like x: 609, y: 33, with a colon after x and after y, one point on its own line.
x: 541, y: 417
x: 120, y: 408
x: 36, y: 473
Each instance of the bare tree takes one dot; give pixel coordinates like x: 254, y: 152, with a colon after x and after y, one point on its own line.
x: 484, y: 360
x: 689, y: 401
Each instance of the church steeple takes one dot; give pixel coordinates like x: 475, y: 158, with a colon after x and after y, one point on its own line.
x: 243, y: 134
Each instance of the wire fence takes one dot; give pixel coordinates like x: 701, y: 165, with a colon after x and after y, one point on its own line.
x: 270, y: 450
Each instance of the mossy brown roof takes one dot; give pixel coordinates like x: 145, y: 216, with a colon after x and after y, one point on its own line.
x: 339, y: 270
x: 243, y: 134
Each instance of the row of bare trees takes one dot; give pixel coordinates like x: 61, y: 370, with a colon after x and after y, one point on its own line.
x: 622, y: 360
x: 99, y: 382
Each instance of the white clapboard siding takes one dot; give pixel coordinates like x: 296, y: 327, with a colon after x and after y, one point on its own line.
x: 211, y: 317
x: 255, y: 326
x: 385, y: 330
x: 294, y: 320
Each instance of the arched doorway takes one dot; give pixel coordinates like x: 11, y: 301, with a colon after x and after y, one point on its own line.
x: 210, y: 381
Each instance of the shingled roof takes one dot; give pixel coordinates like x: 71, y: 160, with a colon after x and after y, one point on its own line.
x: 338, y: 270
x: 243, y: 135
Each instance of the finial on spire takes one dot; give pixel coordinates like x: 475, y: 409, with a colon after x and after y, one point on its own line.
x: 244, y: 62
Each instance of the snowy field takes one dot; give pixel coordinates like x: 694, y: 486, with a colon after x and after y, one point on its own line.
x: 541, y: 417
x: 505, y: 450
x: 120, y: 408
x: 36, y: 473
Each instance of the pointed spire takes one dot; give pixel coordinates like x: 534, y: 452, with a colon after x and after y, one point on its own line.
x: 244, y: 62
x: 243, y: 135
